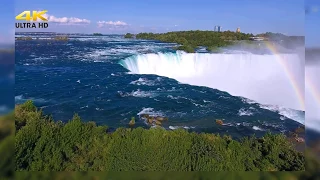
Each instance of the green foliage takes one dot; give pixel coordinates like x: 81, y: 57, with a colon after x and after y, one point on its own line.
x: 213, y: 49
x: 45, y: 145
x: 97, y: 34
x: 128, y: 35
x: 186, y: 48
x: 193, y: 39
x: 7, y: 164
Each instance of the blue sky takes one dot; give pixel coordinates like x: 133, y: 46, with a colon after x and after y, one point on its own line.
x: 121, y: 16
x: 312, y: 23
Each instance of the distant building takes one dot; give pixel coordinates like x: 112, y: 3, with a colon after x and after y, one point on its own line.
x: 217, y: 28
x: 238, y: 30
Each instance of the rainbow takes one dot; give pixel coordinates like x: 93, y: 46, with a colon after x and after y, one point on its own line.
x: 290, y: 75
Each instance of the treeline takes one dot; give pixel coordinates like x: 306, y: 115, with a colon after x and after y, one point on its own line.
x: 193, y: 39
x: 97, y: 34
x: 41, y: 144
x: 7, y: 129
x: 284, y: 40
x: 128, y: 35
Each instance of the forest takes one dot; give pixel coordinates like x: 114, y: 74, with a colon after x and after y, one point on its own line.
x: 52, y: 142
x: 42, y: 144
x: 189, y: 41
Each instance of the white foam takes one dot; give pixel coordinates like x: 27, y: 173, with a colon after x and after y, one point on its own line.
x: 246, y: 100
x: 84, y: 107
x: 286, y: 112
x: 171, y: 97
x: 259, y: 77
x: 144, y: 81
x: 150, y: 111
x: 184, y: 127
x: 197, y: 104
x: 137, y: 93
x: 21, y: 98
x: 244, y: 112
x: 257, y: 128
x: 18, y: 98
x: 283, y: 118
x: 227, y: 124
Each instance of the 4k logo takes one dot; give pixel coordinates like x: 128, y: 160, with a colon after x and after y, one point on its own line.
x: 26, y: 15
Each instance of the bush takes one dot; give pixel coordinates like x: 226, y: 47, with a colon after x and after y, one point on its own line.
x: 128, y: 35
x: 45, y: 145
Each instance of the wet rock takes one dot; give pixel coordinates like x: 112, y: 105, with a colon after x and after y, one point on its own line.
x: 150, y: 120
x: 300, y: 130
x: 159, y: 118
x: 219, y: 121
x: 299, y: 139
x: 144, y: 116
x: 293, y: 134
x: 158, y: 123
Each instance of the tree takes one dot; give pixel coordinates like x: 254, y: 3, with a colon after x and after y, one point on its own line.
x: 128, y: 35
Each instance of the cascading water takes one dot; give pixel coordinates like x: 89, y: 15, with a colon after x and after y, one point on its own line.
x: 267, y: 79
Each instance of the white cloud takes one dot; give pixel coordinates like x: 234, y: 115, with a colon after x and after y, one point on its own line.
x: 66, y: 20
x: 111, y: 24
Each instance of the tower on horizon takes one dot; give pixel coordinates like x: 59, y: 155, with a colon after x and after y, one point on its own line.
x: 217, y: 28
x: 238, y: 30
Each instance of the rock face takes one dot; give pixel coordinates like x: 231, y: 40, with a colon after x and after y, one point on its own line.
x: 153, y: 120
x: 299, y: 139
x: 144, y: 115
x: 158, y: 123
x: 150, y: 120
x: 219, y: 122
x: 158, y: 118
x: 300, y: 130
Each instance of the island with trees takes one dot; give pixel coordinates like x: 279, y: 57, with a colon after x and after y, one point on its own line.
x: 97, y: 34
x: 188, y: 41
x: 129, y: 35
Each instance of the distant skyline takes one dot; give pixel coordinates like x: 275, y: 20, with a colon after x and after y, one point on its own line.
x: 122, y: 16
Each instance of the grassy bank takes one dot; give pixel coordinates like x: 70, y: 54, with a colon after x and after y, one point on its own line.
x: 45, y: 145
